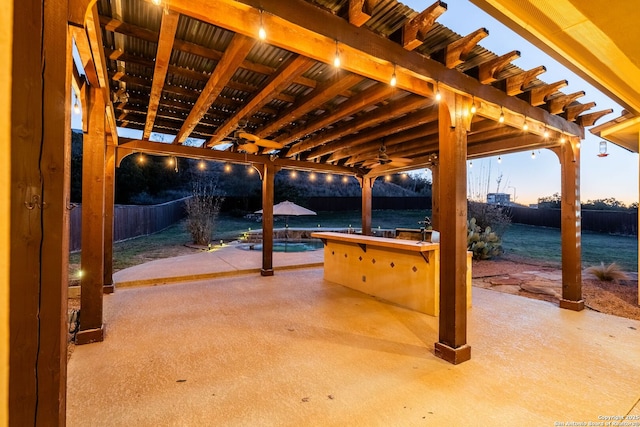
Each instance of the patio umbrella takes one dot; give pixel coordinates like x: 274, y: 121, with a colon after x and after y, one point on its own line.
x: 287, y: 209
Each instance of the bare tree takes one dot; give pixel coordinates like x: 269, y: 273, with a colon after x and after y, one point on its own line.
x: 203, y: 208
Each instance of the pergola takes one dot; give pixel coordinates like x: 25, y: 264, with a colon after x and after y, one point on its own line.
x: 199, y: 71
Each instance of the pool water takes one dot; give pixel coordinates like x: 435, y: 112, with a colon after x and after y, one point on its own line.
x: 281, y: 246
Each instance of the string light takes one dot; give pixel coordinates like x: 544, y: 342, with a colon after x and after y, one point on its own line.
x: 141, y: 158
x: 157, y: 2
x: 404, y: 175
x: 499, y: 159
x: 262, y: 34
x: 336, y: 58
x: 312, y: 176
x: 525, y: 126
x: 438, y: 95
x: 474, y: 109
x: 501, y: 118
x: 387, y: 178
x: 345, y: 179
x: 227, y: 167
x: 293, y: 174
x: 578, y: 144
x: 202, y: 165
x: 546, y: 132
x: 470, y: 163
x: 533, y: 155
x: 393, y: 80
x: 76, y: 106
x: 563, y: 139
x: 329, y: 177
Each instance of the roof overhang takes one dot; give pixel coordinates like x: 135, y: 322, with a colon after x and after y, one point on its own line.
x: 593, y: 39
x: 623, y: 131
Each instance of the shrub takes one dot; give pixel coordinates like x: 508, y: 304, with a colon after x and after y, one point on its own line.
x: 607, y: 273
x: 489, y: 216
x: 202, y: 210
x: 484, y: 244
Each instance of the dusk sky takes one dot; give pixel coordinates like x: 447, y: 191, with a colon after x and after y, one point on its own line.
x: 526, y: 178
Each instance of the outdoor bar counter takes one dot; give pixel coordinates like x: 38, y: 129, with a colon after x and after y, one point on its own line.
x: 404, y: 272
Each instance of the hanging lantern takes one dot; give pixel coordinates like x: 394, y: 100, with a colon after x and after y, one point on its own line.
x: 603, y: 149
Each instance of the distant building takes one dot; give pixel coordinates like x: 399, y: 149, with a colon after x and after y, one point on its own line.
x: 502, y: 199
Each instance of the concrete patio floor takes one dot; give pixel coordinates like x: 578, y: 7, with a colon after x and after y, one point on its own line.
x: 295, y: 350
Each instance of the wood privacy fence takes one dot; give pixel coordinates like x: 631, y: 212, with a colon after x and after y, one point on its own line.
x: 611, y: 222
x: 131, y: 220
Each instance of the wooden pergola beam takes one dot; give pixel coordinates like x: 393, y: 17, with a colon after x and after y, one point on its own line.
x: 517, y: 84
x: 591, y: 118
x: 389, y: 111
x: 573, y: 111
x: 168, y: 29
x: 538, y: 95
x: 278, y: 82
x: 359, y: 102
x: 237, y: 50
x: 317, y: 97
x: 456, y: 53
x: 349, y: 146
x: 558, y: 104
x: 360, y: 11
x: 364, y: 53
x: 413, y: 32
x: 119, y: 27
x: 487, y: 72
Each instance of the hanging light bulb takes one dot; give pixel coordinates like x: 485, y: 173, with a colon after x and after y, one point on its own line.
x: 141, y: 158
x: 525, y: 126
x: 202, y: 165
x: 578, y: 144
x: 250, y: 170
x: 329, y: 177
x: 227, y: 167
x: 76, y: 106
x: 563, y: 139
x: 293, y: 174
x: 262, y: 33
x: 473, y: 105
x: 312, y: 176
x: 393, y: 80
x: 438, y: 95
x: 157, y: 2
x: 345, y: 179
x: 336, y: 58
x: 533, y: 155
x: 501, y: 118
x: 470, y: 163
x: 499, y: 159
x: 546, y: 133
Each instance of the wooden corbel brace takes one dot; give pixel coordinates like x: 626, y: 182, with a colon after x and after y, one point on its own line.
x: 456, y: 53
x: 538, y: 95
x: 487, y: 72
x: 558, y: 104
x: 591, y: 118
x: 413, y: 33
x: 573, y: 111
x: 360, y: 11
x: 517, y: 84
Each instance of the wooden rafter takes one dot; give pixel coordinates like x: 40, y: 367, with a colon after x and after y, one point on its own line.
x: 389, y: 111
x: 359, y: 102
x: 317, y: 97
x: 509, y: 145
x: 517, y: 84
x: 279, y: 81
x: 456, y: 53
x: 131, y: 30
x: 360, y: 11
x: 349, y: 146
x: 538, y: 95
x: 237, y: 50
x: 573, y: 111
x: 168, y: 29
x: 591, y: 118
x: 413, y: 32
x: 487, y: 71
x: 557, y: 105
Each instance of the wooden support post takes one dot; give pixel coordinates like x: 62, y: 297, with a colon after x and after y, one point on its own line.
x: 435, y: 195
x: 93, y: 198
x: 366, y: 183
x: 109, y: 193
x: 268, y: 180
x: 570, y: 226
x: 452, y: 344
x: 35, y: 122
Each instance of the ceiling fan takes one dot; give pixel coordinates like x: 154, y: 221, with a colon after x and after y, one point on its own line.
x: 384, y: 159
x: 251, y: 143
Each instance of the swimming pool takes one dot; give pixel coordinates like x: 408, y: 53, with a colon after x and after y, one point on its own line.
x: 285, y: 246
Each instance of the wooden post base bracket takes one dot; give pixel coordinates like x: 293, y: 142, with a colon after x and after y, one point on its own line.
x: 266, y: 272
x: 572, y: 305
x: 90, y: 335
x: 108, y: 289
x: 453, y: 355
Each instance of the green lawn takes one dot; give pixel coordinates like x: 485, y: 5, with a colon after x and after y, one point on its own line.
x: 520, y: 241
